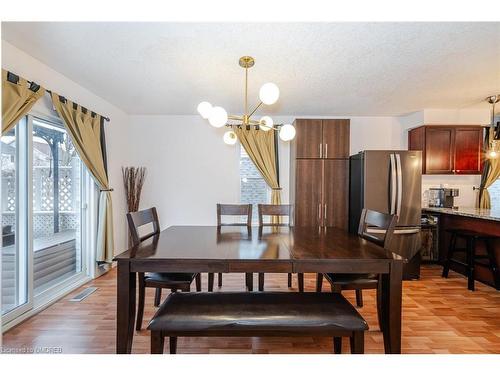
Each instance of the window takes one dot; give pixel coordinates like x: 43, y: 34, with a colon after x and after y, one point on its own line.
x: 494, y: 191
x: 43, y: 227
x: 14, y: 220
x: 253, y: 188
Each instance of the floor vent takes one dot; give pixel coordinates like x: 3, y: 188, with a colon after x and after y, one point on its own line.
x: 81, y: 296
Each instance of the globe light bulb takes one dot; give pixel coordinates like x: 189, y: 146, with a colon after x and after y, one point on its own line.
x: 492, y: 154
x: 266, y: 123
x: 269, y: 93
x: 204, y: 109
x: 230, y: 138
x: 218, y: 117
x: 287, y: 132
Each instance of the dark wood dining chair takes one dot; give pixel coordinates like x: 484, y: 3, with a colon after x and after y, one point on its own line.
x: 375, y: 227
x: 158, y: 280
x: 277, y: 210
x: 232, y: 210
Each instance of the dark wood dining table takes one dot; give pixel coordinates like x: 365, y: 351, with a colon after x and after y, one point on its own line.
x: 258, y: 249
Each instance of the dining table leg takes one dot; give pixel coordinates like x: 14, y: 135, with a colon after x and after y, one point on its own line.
x: 392, y: 285
x: 125, y: 308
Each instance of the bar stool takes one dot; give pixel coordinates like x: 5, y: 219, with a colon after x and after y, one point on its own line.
x: 471, y: 259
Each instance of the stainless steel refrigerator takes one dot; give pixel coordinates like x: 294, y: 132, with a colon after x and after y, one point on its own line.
x: 391, y: 182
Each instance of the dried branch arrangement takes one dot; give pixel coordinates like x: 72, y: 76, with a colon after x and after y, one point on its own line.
x: 133, y: 181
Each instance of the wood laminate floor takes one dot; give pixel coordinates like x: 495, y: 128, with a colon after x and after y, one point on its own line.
x: 439, y: 316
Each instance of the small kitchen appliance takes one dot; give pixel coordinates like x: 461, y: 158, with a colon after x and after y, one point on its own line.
x: 442, y: 197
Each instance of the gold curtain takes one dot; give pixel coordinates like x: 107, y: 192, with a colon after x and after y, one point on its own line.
x: 491, y: 172
x: 17, y: 99
x: 492, y: 176
x: 85, y: 133
x: 260, y: 147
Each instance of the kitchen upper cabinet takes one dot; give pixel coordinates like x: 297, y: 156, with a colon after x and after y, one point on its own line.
x: 309, y: 139
x: 308, y: 186
x: 322, y: 139
x: 439, y: 151
x: 448, y: 149
x: 468, y: 148
x: 336, y: 139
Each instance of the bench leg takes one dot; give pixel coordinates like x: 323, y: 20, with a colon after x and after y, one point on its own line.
x: 157, y: 297
x: 289, y: 280
x: 198, y: 282
x: 359, y: 297
x: 220, y: 279
x: 157, y: 341
x: 319, y: 282
x: 358, y: 342
x: 140, y: 304
x: 300, y: 276
x: 337, y: 345
x: 210, y: 282
x: 173, y: 345
x: 261, y: 282
x: 249, y: 281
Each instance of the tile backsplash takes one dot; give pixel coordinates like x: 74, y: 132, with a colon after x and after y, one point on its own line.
x: 467, y: 197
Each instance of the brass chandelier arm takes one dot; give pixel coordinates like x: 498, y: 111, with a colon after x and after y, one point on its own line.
x: 255, y: 109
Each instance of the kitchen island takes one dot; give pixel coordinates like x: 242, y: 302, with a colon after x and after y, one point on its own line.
x: 475, y: 219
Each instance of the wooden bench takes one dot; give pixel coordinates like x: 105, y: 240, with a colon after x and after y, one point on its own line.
x: 250, y: 314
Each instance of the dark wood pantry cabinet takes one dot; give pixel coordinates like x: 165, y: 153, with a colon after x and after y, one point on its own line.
x: 319, y: 172
x: 448, y: 149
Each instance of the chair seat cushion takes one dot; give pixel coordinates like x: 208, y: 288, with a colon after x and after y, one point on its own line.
x: 256, y: 313
x: 352, y: 278
x: 169, y: 278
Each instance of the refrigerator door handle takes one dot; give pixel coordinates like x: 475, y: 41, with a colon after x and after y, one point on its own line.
x: 399, y: 173
x: 392, y: 185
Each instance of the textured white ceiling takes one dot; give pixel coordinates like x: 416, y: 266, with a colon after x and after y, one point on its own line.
x: 321, y: 69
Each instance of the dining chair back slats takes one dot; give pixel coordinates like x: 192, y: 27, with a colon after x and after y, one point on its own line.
x: 274, y: 210
x: 374, y: 222
x: 141, y: 218
x: 234, y: 210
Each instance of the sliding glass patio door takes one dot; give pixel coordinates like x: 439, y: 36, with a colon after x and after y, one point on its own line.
x: 43, y: 223
x: 16, y: 260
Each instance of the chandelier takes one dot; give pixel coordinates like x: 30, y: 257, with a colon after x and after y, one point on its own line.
x: 268, y: 94
x: 494, y: 144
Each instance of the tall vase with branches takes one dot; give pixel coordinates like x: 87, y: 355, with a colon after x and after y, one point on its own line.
x: 133, y: 181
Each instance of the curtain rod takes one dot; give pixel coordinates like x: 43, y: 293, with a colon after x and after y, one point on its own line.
x: 50, y: 93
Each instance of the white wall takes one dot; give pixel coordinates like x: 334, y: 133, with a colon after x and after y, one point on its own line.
x: 189, y: 168
x: 30, y: 68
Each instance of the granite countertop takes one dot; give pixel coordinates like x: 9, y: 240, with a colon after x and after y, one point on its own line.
x: 478, y: 213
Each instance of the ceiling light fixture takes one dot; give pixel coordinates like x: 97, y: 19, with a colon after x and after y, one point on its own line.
x: 494, y: 143
x: 268, y: 94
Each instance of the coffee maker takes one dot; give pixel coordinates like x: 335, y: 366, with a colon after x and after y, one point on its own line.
x: 442, y: 197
